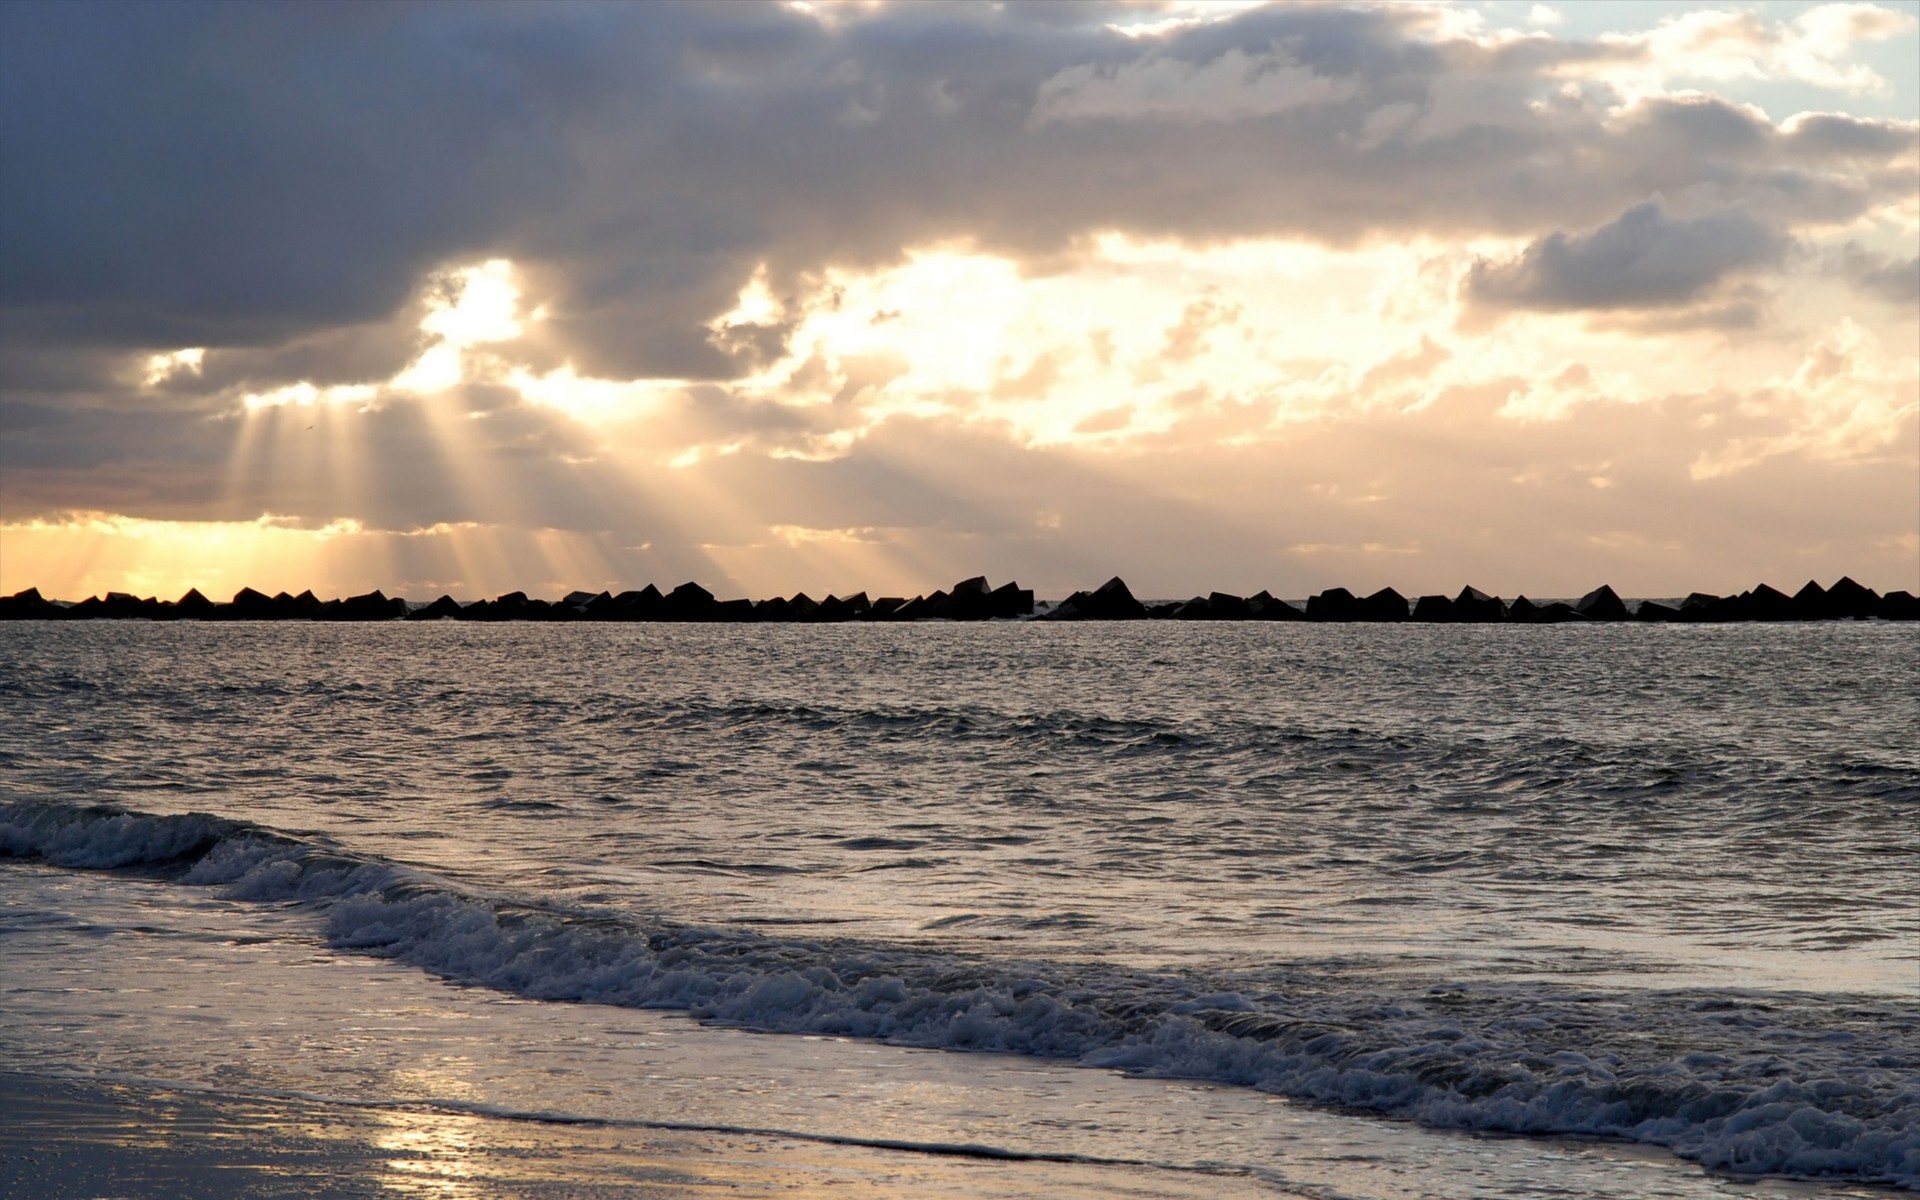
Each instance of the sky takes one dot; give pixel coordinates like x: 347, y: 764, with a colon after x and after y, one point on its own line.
x: 466, y: 299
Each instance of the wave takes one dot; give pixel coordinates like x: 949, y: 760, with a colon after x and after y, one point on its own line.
x: 1741, y: 1081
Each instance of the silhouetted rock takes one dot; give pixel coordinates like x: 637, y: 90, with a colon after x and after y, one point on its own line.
x: 1111, y: 601
x: 833, y: 609
x: 114, y: 605
x: 1765, y: 603
x: 688, y: 602
x: 1334, y: 604
x: 1810, y: 603
x: 126, y: 606
x: 923, y: 608
x: 606, y: 607
x: 1474, y: 605
x: 250, y: 605
x: 1699, y: 607
x: 303, y: 607
x: 373, y: 606
x: 970, y: 600
x: 643, y: 605
x: 1197, y: 609
x: 512, y: 606
x: 1228, y: 607
x: 1899, y: 606
x: 443, y: 608
x: 1849, y: 599
x: 1719, y: 611
x: 1843, y: 600
x: 1384, y: 605
x: 584, y: 606
x: 1601, y: 604
x: 29, y: 605
x: 1268, y: 608
x: 975, y: 599
x: 1011, y: 600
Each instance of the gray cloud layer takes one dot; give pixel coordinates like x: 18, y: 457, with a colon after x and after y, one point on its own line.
x: 227, y: 174
x: 1642, y: 259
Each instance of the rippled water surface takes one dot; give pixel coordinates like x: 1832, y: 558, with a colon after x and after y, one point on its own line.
x: 1728, y: 805
x: 1668, y: 845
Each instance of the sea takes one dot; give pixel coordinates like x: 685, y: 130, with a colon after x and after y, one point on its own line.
x: 1146, y: 908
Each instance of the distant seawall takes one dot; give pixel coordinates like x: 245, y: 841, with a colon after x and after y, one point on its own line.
x: 974, y: 600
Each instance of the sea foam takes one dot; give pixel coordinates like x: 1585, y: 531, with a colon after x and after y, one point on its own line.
x: 1742, y: 1081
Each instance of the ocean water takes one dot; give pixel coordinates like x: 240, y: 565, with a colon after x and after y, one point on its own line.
x: 1360, y: 911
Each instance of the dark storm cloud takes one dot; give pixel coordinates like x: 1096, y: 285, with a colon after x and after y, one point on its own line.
x: 1644, y: 259
x: 254, y: 174
x: 225, y: 174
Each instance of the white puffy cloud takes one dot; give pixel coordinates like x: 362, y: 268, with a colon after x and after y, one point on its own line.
x: 1721, y: 45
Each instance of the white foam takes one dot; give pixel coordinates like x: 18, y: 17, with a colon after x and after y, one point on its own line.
x: 1750, y: 1082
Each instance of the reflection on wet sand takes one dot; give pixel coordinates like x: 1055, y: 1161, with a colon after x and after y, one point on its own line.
x: 74, y: 1138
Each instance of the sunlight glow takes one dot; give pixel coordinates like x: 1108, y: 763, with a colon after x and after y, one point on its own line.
x: 475, y: 304
x: 161, y: 367
x: 1129, y: 346
x: 756, y: 304
x: 305, y: 395
x: 593, y: 402
x: 92, y: 553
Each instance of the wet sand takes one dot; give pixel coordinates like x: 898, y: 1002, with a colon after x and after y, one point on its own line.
x: 72, y: 1139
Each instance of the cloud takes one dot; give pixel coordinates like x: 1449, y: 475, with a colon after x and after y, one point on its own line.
x: 1888, y: 278
x: 1724, y: 45
x: 1235, y: 86
x: 1003, y: 281
x: 1847, y: 401
x: 229, y: 176
x: 1839, y: 136
x: 1642, y: 259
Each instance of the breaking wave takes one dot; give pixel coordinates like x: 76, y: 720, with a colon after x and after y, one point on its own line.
x: 1742, y: 1081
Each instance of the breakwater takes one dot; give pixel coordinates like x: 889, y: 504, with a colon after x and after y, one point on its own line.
x: 975, y: 600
